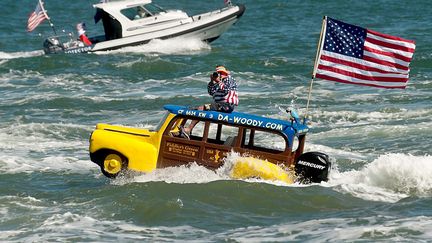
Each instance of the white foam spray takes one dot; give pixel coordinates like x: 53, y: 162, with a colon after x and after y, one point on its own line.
x: 32, y: 147
x: 390, y: 177
x: 178, y: 46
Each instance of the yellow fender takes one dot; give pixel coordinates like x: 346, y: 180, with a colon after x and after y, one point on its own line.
x: 249, y: 167
x: 141, y: 151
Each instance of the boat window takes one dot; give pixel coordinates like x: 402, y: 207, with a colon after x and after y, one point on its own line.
x: 154, y: 9
x: 222, y: 134
x: 136, y: 13
x: 130, y: 13
x: 263, y: 141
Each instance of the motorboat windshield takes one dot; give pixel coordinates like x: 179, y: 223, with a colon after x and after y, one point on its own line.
x: 154, y: 8
x: 142, y: 11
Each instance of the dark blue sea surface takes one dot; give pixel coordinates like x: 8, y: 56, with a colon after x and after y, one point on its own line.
x: 380, y: 188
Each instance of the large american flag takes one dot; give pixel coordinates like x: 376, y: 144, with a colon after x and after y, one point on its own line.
x: 355, y: 55
x: 37, y: 17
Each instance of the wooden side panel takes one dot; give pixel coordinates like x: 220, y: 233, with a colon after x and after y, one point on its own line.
x: 178, y: 151
x: 214, y: 155
x: 281, y: 158
x: 210, y: 150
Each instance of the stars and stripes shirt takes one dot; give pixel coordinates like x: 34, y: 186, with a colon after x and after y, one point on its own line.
x: 225, y: 91
x: 355, y: 55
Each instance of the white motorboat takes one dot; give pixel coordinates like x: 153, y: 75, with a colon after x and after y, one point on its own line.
x: 136, y: 22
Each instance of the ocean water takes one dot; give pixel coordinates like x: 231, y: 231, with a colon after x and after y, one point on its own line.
x: 380, y: 189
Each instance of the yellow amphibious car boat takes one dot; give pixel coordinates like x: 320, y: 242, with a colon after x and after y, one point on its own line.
x: 269, y: 149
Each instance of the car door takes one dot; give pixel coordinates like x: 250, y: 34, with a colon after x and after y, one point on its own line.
x: 176, y: 150
x: 220, y: 139
x: 265, y: 145
x: 209, y: 144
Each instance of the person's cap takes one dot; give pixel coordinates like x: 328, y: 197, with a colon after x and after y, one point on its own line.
x: 222, y: 70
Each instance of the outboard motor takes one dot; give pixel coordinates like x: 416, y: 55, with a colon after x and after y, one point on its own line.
x: 312, y: 167
x: 52, y: 45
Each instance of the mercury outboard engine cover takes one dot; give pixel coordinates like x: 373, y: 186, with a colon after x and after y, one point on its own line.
x: 312, y: 167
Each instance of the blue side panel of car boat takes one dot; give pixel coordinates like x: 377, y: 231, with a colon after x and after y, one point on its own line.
x: 290, y: 128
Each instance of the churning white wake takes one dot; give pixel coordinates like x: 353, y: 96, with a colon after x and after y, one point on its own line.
x: 389, y: 177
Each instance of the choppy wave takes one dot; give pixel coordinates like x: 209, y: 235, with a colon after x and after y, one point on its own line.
x: 82, y: 227
x: 336, y: 229
x: 77, y: 227
x: 43, y: 147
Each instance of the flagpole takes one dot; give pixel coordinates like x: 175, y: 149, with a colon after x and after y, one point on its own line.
x: 318, y: 53
x: 47, y: 17
x: 52, y: 26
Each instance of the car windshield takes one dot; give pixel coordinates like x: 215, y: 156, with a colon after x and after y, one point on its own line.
x: 161, y: 122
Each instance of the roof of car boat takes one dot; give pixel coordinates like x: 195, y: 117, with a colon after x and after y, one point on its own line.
x: 121, y: 4
x: 240, y: 118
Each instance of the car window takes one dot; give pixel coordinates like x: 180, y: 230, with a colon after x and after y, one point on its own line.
x: 295, y: 144
x: 264, y: 141
x: 222, y: 134
x: 197, y: 132
x: 174, y: 129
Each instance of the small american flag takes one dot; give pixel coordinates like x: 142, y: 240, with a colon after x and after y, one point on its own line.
x: 232, y: 97
x: 37, y: 17
x: 355, y: 55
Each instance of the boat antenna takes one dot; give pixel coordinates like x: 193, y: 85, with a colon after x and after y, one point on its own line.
x: 318, y: 54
